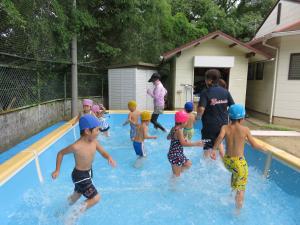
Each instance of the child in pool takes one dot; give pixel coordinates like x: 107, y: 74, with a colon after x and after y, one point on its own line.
x: 86, y: 109
x: 176, y: 157
x: 133, y: 118
x: 236, y: 135
x: 84, y: 152
x: 142, y: 134
x: 99, y: 111
x: 188, y: 130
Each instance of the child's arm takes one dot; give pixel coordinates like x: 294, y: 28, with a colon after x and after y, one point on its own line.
x: 129, y: 120
x: 145, y: 133
x: 219, y: 140
x: 105, y: 155
x: 252, y: 142
x: 59, y: 159
x: 186, y: 143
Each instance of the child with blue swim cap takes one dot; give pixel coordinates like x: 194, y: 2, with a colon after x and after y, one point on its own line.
x: 188, y: 130
x: 84, y: 152
x: 236, y: 134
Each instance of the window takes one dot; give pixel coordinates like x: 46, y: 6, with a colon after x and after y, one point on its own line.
x: 278, y: 13
x: 251, y: 71
x: 259, y: 75
x: 294, y: 70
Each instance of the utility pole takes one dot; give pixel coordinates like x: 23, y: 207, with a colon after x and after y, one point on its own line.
x: 74, y: 105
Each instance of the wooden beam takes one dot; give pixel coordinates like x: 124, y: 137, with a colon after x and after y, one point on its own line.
x: 214, y: 37
x: 250, y: 54
x: 232, y: 45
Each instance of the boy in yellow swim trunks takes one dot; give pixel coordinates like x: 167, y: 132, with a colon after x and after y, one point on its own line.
x: 188, y: 130
x: 236, y: 134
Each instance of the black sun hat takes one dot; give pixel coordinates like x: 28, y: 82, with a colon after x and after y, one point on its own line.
x: 154, y: 77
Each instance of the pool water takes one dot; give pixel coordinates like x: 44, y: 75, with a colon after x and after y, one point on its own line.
x: 148, y: 195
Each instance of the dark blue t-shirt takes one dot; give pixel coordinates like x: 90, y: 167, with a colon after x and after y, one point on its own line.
x: 215, y: 100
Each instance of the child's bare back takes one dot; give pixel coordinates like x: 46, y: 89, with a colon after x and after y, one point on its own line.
x: 134, y: 116
x: 235, y: 135
x: 191, y: 120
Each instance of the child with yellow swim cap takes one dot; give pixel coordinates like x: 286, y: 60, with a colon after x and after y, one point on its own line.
x: 142, y: 134
x: 133, y: 118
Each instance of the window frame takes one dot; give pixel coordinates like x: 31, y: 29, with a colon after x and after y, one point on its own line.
x: 290, y: 77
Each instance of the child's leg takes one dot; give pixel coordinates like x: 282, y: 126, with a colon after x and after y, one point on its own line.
x: 91, y: 202
x: 74, y: 197
x: 186, y: 165
x: 206, y: 153
x: 176, y: 170
x: 239, y: 199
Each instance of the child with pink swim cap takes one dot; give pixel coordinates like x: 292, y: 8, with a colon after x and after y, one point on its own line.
x: 86, y: 109
x: 99, y: 111
x: 176, y: 157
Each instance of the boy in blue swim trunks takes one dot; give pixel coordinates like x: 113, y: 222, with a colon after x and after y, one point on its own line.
x: 236, y: 135
x: 142, y: 134
x: 84, y: 151
x: 133, y: 118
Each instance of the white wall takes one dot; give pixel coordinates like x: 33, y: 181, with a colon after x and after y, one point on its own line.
x: 144, y: 101
x: 290, y: 13
x: 185, y: 69
x: 287, y: 98
x: 259, y: 92
x: 126, y: 84
x: 121, y: 87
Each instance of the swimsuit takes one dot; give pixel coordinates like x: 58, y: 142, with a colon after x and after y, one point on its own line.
x: 103, y: 124
x: 175, y: 154
x: 139, y: 148
x: 239, y: 169
x: 82, y: 180
x: 132, y: 131
x: 188, y: 133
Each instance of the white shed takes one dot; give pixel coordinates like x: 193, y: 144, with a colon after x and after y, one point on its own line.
x: 130, y: 82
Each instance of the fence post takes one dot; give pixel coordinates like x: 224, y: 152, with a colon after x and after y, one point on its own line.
x: 65, y: 94
x: 39, y: 95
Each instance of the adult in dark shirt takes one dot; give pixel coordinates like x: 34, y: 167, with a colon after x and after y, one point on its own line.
x: 212, y: 108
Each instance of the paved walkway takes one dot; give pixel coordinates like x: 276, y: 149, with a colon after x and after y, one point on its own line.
x: 273, y: 133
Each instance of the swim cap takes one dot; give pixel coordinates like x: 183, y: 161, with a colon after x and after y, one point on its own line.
x: 189, y: 106
x: 132, y: 104
x: 88, y: 121
x: 96, y: 108
x: 181, y: 117
x: 88, y: 102
x: 145, y: 116
x: 236, y: 112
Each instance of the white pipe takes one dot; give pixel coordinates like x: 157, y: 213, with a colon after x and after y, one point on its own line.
x: 274, y: 81
x: 37, y: 164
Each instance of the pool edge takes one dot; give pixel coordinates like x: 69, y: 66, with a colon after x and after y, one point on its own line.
x: 13, y: 165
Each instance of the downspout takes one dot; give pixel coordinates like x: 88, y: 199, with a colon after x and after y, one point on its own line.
x: 275, y: 79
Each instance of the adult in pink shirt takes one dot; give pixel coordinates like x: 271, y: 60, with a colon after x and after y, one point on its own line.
x: 158, y: 95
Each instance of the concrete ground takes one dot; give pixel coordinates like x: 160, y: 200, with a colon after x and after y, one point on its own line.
x: 289, y: 144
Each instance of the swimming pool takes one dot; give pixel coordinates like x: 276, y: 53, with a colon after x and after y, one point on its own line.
x: 147, y: 195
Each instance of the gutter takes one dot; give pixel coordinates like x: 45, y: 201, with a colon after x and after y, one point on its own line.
x: 275, y: 79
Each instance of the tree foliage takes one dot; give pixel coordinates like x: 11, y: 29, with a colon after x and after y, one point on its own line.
x: 120, y: 31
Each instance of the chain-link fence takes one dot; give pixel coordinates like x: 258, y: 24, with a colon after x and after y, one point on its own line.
x: 35, y: 59
x: 22, y: 86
